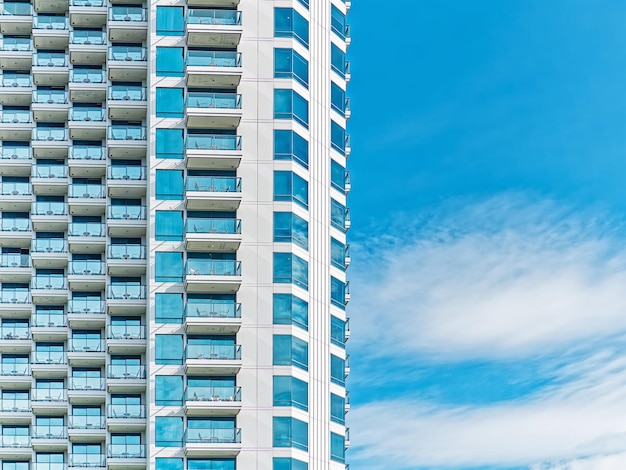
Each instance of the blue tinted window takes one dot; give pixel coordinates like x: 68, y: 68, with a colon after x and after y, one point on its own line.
x: 169, y: 266
x: 168, y: 431
x: 170, y: 102
x: 291, y: 432
x: 289, y: 64
x: 288, y: 23
x: 337, y: 409
x: 170, y: 62
x: 287, y: 463
x: 290, y: 146
x: 289, y: 391
x: 290, y: 228
x: 170, y: 21
x: 337, y: 22
x: 291, y: 269
x: 169, y: 464
x: 169, y: 185
x: 337, y: 293
x: 337, y: 370
x: 169, y: 349
x: 291, y: 310
x: 338, y: 60
x: 337, y: 331
x: 337, y: 98
x: 337, y: 137
x: 168, y: 308
x: 337, y: 448
x: 337, y: 215
x: 211, y: 464
x: 168, y: 390
x: 337, y: 176
x: 169, y: 225
x: 290, y: 105
x: 170, y: 143
x: 338, y: 254
x: 291, y: 351
x: 290, y: 187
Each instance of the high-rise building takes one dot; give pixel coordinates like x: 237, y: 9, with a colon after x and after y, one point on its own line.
x: 173, y: 234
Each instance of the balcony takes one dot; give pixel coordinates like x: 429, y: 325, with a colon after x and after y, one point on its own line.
x: 126, y: 339
x: 213, y: 442
x: 16, y: 124
x: 128, y: 23
x: 213, y: 110
x: 126, y: 221
x: 15, y: 267
x: 209, y: 235
x: 86, y: 390
x: 15, y: 339
x: 15, y: 446
x: 15, y: 376
x: 16, y: 53
x: 126, y: 456
x: 86, y: 199
x: 86, y: 352
x: 126, y: 181
x: 50, y: 179
x: 85, y: 313
x: 15, y: 302
x: 87, y: 275
x: 216, y: 69
x: 88, y: 47
x: 127, y: 102
x: 212, y: 193
x: 88, y: 13
x: 212, y: 359
x: 50, y: 32
x: 212, y: 317
x: 50, y: 105
x: 126, y: 418
x: 16, y: 197
x: 127, y: 141
x: 87, y: 85
x: 219, y: 28
x: 49, y: 364
x: 212, y: 401
x: 15, y: 232
x: 126, y: 299
x: 49, y: 253
x: 212, y: 276
x: 87, y: 123
x: 15, y: 160
x: 15, y: 89
x: 87, y: 161
x: 49, y: 289
x: 50, y: 68
x: 127, y: 63
x: 86, y: 237
x: 213, y: 3
x: 87, y: 460
x: 16, y: 18
x: 50, y: 216
x: 51, y: 326
x: 51, y: 401
x: 127, y: 260
x: 50, y: 142
x: 51, y: 6
x: 126, y: 378
x: 213, y: 151
x: 49, y: 438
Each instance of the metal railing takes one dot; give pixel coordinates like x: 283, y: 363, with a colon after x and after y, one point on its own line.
x: 86, y: 229
x: 126, y: 371
x: 14, y: 260
x: 86, y: 152
x: 222, y: 352
x: 213, y: 100
x: 126, y: 212
x: 14, y: 332
x: 86, y: 307
x: 127, y: 93
x: 126, y: 451
x: 87, y: 383
x: 130, y: 13
x: 126, y: 172
x: 214, y: 59
x: 213, y: 184
x: 87, y: 37
x: 126, y: 292
x: 215, y: 17
x: 213, y: 436
x: 126, y: 331
x: 212, y: 309
x: 126, y: 411
x: 49, y: 320
x: 213, y: 142
x: 213, y: 267
x: 87, y: 76
x: 127, y: 53
x: 199, y: 393
x: 49, y: 394
x: 87, y: 345
x: 217, y: 226
x: 127, y: 133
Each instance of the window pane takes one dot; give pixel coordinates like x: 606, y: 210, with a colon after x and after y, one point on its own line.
x: 289, y: 64
x: 338, y: 60
x: 169, y: 225
x: 168, y: 431
x: 337, y: 176
x: 291, y: 432
x: 337, y: 409
x: 337, y: 292
x: 291, y: 146
x: 290, y: 105
x: 289, y: 309
x: 287, y: 463
x: 170, y: 62
x: 338, y: 254
x: 289, y: 268
x: 290, y: 23
x: 337, y: 137
x: 170, y: 21
x: 289, y: 391
x: 170, y: 143
x: 338, y: 98
x: 169, y: 266
x: 169, y: 349
x: 169, y: 102
x: 169, y: 308
x: 337, y: 370
x: 337, y: 448
x: 169, y: 464
x: 169, y: 390
x: 337, y: 331
x: 337, y: 215
x: 290, y: 228
x: 169, y: 185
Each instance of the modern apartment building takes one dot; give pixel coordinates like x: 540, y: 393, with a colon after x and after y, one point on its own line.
x: 173, y: 234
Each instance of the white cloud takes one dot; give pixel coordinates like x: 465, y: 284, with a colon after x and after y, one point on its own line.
x: 601, y: 462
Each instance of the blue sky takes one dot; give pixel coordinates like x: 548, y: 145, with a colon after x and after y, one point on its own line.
x: 488, y: 235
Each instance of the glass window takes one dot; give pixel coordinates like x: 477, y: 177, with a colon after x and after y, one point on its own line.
x: 170, y: 143
x: 337, y: 448
x: 337, y: 409
x: 170, y: 61
x: 337, y: 292
x: 9, y: 465
x: 290, y: 228
x: 169, y: 464
x: 169, y: 349
x: 288, y: 23
x: 338, y: 60
x: 337, y: 331
x: 290, y: 187
x: 289, y: 391
x: 291, y: 351
x: 338, y: 22
x: 169, y: 390
x: 170, y: 102
x: 290, y: 105
x: 168, y: 431
x: 337, y: 98
x: 211, y: 464
x: 169, y: 225
x: 291, y: 310
x: 169, y: 185
x: 170, y: 21
x: 168, y: 308
x: 291, y: 146
x: 291, y: 269
x: 337, y: 176
x: 169, y: 266
x: 338, y: 215
x: 337, y: 370
x: 338, y: 254
x: 291, y: 432
x: 287, y: 463
x: 289, y: 64
x: 338, y: 137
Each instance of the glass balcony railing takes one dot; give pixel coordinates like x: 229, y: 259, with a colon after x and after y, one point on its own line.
x: 50, y: 134
x: 126, y: 292
x: 126, y: 252
x: 49, y: 282
x: 87, y: 37
x: 16, y: 80
x: 87, y: 345
x: 213, y: 393
x: 127, y: 93
x: 49, y: 320
x: 15, y: 296
x: 48, y: 394
x: 16, y: 442
x: 50, y: 22
x: 126, y: 331
x: 127, y: 13
x: 222, y: 226
x: 16, y: 9
x: 87, y: 191
x: 86, y: 229
x: 10, y: 331
x: 213, y: 436
x: 213, y: 142
x: 50, y: 59
x: 127, y: 212
x: 217, y: 17
x: 213, y: 267
x: 49, y: 171
x: 50, y: 96
x: 48, y: 245
x: 50, y: 208
x: 87, y: 114
x: 127, y: 53
x: 87, y: 76
x: 126, y: 371
x: 126, y: 451
x: 87, y: 267
x: 130, y: 172
x: 15, y: 225
x: 86, y: 460
x: 49, y: 432
x: 213, y: 351
x: 212, y: 309
x: 213, y: 184
x: 86, y: 152
x: 213, y: 59
x: 48, y: 466
x: 87, y: 3
x: 126, y: 411
x: 87, y: 383
x: 49, y: 357
x: 17, y: 116
x: 14, y: 152
x: 85, y: 422
x: 127, y: 133
x: 18, y: 370
x: 213, y: 100
x: 86, y: 306
x: 15, y: 405
x: 16, y: 44
x: 14, y: 260
x: 15, y: 189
